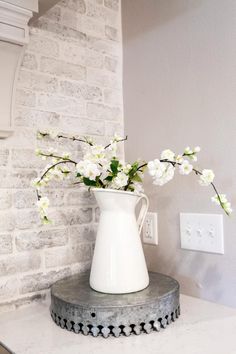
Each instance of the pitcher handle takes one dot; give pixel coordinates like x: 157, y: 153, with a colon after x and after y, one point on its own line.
x: 143, y: 211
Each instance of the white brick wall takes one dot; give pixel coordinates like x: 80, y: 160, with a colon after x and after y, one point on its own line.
x: 70, y: 79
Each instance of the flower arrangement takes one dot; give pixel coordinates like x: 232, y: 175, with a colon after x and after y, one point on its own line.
x: 101, y: 167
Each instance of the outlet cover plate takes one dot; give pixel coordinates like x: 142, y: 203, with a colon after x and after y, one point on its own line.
x: 202, y: 232
x: 150, y: 229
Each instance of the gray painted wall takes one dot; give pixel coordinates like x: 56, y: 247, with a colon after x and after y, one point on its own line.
x: 179, y: 90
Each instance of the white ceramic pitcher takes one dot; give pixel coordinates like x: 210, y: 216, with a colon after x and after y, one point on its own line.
x: 118, y: 264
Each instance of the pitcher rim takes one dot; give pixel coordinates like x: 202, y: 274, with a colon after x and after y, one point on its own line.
x: 115, y: 191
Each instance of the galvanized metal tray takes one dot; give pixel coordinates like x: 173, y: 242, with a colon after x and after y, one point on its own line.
x: 78, y: 308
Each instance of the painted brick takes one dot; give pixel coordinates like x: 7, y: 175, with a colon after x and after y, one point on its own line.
x: 24, y: 198
x: 104, y: 79
x: 53, y: 93
x: 61, y: 68
x: 78, y: 216
x: 43, y: 239
x: 81, y: 233
x: 7, y: 221
x: 103, y: 46
x: 74, y: 89
x: 92, y: 27
x: 29, y: 62
x: 5, y: 243
x: 5, y: 199
x: 113, y: 97
x: 4, y: 155
x: 80, y: 126
x: 26, y: 219
x: 61, y: 104
x: 111, y: 64
x: 53, y: 14
x: 42, y: 45
x: 80, y: 197
x: 60, y: 32
x: 111, y: 33
x: 75, y: 5
x: 25, y: 98
x: 26, y: 158
x: 40, y: 281
x: 66, y: 256
x: 36, y: 119
x: 19, y: 263
x: 8, y: 288
x: 112, y: 4
x: 17, y: 179
x: 100, y: 111
x: 112, y: 127
x: 37, y: 82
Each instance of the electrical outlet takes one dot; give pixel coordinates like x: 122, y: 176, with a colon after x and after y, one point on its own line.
x: 202, y: 232
x: 150, y: 231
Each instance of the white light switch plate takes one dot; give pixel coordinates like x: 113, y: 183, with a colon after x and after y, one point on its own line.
x: 202, y: 232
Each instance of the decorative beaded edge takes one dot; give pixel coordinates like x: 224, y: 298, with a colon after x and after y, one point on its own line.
x: 126, y: 330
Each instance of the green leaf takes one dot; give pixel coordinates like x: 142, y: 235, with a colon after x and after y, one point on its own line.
x: 108, y: 178
x: 136, y: 178
x: 78, y: 174
x: 114, y: 166
x: 88, y: 182
x: 133, y: 170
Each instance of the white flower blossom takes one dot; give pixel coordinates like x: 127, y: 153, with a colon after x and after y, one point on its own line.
x: 222, y: 200
x: 197, y: 149
x: 138, y: 188
x: 207, y: 177
x: 185, y: 168
x: 116, y: 138
x: 43, y: 203
x: 66, y: 155
x: 120, y: 180
x: 53, y: 134
x: 168, y: 155
x: 166, y: 176
x: 88, y: 169
x: 156, y: 168
x: 179, y: 159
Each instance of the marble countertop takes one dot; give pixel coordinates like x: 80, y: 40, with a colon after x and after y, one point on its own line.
x: 202, y: 328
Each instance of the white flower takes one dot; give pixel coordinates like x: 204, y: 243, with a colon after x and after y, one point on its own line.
x: 197, y: 149
x: 138, y: 188
x: 185, y: 168
x: 222, y: 200
x: 207, y: 177
x: 156, y: 168
x: 36, y: 183
x: 43, y: 203
x: 166, y: 176
x: 126, y: 168
x: 179, y: 159
x: 168, y: 155
x: 88, y: 169
x: 116, y: 138
x: 66, y: 155
x: 53, y: 134
x: 97, y: 150
x: 113, y: 149
x: 120, y: 180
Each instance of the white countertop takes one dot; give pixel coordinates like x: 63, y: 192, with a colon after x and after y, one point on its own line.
x: 202, y: 328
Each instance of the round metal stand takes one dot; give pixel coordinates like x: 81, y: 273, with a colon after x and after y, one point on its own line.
x: 78, y: 308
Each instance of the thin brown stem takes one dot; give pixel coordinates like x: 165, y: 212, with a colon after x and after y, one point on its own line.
x: 118, y: 141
